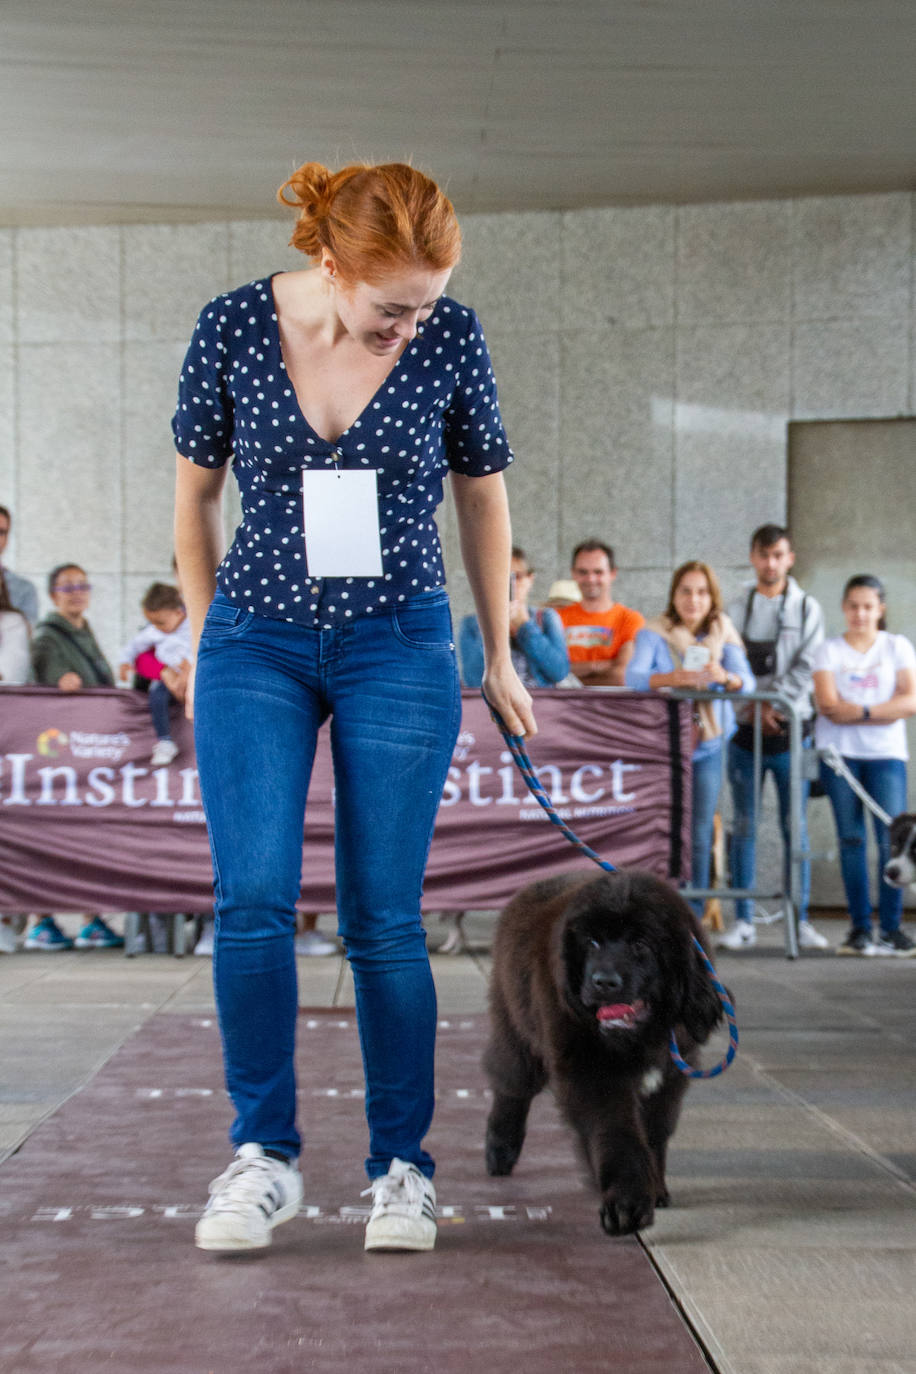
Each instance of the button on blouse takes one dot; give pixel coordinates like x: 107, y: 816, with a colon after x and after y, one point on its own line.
x: 437, y: 410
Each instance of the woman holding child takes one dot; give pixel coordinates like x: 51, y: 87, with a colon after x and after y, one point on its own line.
x: 694, y: 644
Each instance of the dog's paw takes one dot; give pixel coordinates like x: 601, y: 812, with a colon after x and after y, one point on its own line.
x: 500, y: 1157
x: 623, y: 1214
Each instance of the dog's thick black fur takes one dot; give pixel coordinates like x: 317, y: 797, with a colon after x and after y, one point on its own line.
x: 590, y: 976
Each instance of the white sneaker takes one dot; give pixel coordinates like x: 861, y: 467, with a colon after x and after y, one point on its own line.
x: 255, y: 1194
x: 9, y: 936
x: 164, y: 752
x: 312, y: 944
x: 204, y: 946
x: 809, y: 938
x: 741, y: 936
x: 403, y: 1210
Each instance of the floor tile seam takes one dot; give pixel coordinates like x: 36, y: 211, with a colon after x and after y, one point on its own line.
x: 834, y: 1127
x: 85, y: 1079
x: 692, y: 1313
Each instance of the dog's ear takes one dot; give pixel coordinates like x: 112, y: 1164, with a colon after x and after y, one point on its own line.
x: 701, y: 1009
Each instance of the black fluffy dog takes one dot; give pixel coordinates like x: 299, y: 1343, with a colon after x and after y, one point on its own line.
x: 590, y: 976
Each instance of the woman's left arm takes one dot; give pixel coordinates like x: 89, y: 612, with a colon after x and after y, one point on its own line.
x: 737, y: 670
x: 486, y: 544
x: 900, y: 706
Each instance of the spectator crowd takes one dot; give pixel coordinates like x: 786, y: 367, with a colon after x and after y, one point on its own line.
x: 851, y: 694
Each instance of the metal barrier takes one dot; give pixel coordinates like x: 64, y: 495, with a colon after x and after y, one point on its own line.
x: 789, y: 898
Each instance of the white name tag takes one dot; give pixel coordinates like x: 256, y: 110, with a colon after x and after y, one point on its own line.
x: 340, y: 519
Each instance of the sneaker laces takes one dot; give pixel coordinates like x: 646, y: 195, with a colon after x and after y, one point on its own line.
x: 402, y: 1189
x: 243, y: 1184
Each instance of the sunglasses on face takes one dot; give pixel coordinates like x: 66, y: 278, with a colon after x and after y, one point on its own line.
x: 73, y: 587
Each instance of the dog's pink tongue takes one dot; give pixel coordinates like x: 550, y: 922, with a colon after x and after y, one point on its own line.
x: 620, y: 1011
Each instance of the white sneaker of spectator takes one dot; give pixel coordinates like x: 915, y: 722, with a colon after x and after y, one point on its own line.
x: 164, y: 752
x: 311, y: 944
x: 741, y: 936
x: 204, y: 946
x: 9, y: 935
x: 809, y: 938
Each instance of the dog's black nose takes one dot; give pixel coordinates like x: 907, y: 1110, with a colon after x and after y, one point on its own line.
x: 606, y: 980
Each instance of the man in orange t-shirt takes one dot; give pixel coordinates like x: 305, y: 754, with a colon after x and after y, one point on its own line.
x: 599, y: 631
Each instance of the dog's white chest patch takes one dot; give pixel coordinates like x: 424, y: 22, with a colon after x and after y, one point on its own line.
x: 652, y: 1080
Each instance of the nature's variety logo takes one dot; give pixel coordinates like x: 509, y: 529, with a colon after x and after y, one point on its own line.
x: 50, y: 742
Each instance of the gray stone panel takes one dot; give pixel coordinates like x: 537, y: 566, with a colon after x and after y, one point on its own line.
x: 6, y: 285
x: 851, y: 256
x: 68, y: 285
x: 509, y: 272
x: 170, y: 272
x: 615, y: 457
x: 730, y: 424
x: 618, y: 268
x: 150, y: 387
x: 527, y: 375
x: 259, y: 247
x: 734, y: 262
x: 69, y: 472
x: 853, y: 368
x: 8, y: 464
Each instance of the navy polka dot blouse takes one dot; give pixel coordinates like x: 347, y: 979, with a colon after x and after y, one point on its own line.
x: 436, y: 410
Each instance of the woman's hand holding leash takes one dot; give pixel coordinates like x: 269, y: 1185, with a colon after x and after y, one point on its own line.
x: 503, y: 689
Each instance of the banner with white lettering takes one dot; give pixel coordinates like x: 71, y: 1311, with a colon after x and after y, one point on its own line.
x: 86, y: 824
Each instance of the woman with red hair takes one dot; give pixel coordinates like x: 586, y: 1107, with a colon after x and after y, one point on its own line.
x: 345, y: 394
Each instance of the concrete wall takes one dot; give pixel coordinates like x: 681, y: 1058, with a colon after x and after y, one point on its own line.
x: 649, y: 360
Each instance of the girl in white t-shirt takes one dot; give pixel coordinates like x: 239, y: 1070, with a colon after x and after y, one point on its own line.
x: 864, y: 688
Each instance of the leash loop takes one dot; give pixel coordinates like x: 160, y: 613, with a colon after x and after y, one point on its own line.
x: 516, y: 747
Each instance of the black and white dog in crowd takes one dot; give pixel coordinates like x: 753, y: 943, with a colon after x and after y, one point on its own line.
x: 900, y: 869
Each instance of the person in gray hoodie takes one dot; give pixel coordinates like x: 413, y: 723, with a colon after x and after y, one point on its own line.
x: 781, y: 626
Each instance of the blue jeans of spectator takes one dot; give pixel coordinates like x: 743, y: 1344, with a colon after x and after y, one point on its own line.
x: 160, y: 699
x: 389, y: 685
x: 707, y: 781
x: 743, y: 852
x: 885, y: 781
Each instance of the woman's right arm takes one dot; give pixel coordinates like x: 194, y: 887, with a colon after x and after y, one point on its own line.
x: 199, y: 538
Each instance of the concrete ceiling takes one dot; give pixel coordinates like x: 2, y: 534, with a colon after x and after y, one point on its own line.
x: 116, y: 110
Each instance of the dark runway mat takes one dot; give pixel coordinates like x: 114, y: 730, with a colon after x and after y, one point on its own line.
x: 100, y: 1272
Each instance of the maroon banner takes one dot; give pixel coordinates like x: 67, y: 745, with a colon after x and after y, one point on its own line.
x: 87, y: 825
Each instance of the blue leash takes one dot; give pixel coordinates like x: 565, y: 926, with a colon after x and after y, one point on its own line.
x: 516, y: 746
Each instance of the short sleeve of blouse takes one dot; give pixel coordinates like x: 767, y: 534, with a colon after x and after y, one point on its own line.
x: 475, y: 438
x: 904, y: 653
x: 203, y: 421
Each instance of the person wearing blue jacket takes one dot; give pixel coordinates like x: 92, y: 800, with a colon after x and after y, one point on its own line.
x: 694, y: 644
x: 537, y: 639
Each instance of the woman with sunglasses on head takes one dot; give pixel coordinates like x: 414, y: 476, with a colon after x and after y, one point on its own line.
x: 864, y: 690
x: 344, y: 394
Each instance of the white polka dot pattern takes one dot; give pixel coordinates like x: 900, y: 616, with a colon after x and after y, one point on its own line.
x: 436, y: 410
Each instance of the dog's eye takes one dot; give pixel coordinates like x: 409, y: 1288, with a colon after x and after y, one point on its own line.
x: 594, y: 944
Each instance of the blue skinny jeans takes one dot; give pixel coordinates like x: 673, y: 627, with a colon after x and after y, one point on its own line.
x: 743, y: 851
x: 707, y: 782
x: 885, y: 781
x: 389, y: 684
x: 160, y: 700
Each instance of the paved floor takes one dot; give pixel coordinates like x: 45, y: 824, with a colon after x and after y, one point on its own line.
x: 791, y: 1244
